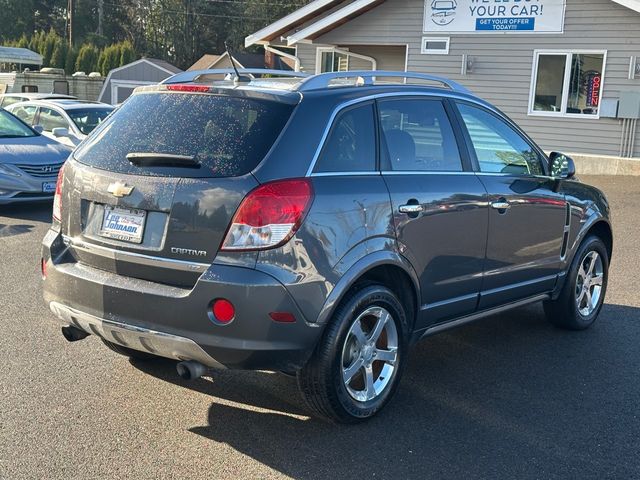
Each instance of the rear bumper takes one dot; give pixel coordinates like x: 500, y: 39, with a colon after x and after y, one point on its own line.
x: 168, y: 316
x: 137, y: 338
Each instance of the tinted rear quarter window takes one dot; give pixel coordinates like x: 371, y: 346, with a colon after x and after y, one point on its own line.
x: 229, y: 136
x: 351, y: 144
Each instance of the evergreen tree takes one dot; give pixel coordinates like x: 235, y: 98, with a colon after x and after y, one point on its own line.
x: 70, y: 61
x: 87, y: 60
x: 59, y: 55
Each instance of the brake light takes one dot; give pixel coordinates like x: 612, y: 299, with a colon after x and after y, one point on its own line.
x: 269, y: 215
x: 57, y: 197
x: 179, y: 87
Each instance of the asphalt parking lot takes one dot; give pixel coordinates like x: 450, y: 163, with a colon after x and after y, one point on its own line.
x: 509, y: 397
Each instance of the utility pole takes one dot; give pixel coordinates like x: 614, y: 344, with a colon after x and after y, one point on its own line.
x: 100, y: 14
x: 70, y: 21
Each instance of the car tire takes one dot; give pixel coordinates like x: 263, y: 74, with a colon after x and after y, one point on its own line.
x: 346, y: 381
x: 576, y: 308
x: 128, y: 352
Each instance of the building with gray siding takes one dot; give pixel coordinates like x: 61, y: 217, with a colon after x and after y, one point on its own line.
x: 121, y: 81
x: 567, y: 71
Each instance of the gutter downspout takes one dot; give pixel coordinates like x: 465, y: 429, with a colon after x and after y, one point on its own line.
x: 296, y: 60
x: 374, y: 63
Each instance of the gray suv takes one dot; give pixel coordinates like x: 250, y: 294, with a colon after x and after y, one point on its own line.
x: 315, y: 225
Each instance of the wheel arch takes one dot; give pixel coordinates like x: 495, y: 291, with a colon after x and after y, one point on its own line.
x: 387, y: 268
x: 602, y: 229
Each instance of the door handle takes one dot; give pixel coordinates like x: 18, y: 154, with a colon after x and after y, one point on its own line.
x: 501, y: 205
x: 410, y: 208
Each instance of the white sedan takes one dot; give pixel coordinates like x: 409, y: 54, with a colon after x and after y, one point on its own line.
x: 66, y: 121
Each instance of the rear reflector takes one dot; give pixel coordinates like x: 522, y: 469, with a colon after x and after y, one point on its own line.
x: 43, y: 268
x: 57, y: 198
x: 282, y: 317
x: 223, y: 310
x: 179, y: 87
x: 269, y: 215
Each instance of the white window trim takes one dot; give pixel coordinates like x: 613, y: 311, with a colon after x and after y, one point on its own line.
x: 115, y: 84
x: 425, y: 51
x: 321, y: 50
x: 565, y: 87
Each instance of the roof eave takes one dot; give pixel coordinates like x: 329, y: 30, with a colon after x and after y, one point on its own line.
x: 289, y: 22
x: 332, y: 21
x: 631, y: 4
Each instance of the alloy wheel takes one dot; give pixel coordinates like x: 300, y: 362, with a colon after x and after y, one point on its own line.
x: 589, y: 283
x: 370, y: 354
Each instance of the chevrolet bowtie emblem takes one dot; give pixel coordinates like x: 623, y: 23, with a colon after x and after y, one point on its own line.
x: 118, y: 189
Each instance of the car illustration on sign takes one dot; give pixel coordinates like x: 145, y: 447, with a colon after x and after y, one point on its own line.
x: 443, y: 11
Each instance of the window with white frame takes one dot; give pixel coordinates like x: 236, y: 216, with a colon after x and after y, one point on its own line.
x: 567, y: 83
x: 435, y: 45
x: 330, y: 60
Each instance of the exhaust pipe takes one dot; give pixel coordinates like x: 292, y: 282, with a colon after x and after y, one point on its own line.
x: 73, y: 334
x: 191, y: 370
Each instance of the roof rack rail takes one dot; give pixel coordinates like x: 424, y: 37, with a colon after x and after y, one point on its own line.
x: 366, y: 77
x: 192, y: 76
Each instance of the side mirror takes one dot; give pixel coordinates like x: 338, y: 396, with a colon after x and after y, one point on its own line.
x: 60, y: 132
x: 562, y: 166
x: 38, y: 128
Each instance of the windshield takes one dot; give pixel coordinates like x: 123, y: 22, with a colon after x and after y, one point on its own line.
x: 11, y: 127
x: 222, y: 135
x: 88, y: 118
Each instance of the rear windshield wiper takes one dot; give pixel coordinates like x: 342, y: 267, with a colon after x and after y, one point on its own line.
x: 149, y: 159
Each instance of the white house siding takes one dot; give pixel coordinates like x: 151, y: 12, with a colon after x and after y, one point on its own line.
x: 503, y: 63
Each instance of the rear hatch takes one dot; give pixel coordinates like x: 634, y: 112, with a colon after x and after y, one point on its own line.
x: 151, y: 192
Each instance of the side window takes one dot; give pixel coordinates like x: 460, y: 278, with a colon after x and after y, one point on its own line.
x: 418, y: 136
x: 50, y: 119
x: 6, y: 101
x: 351, y: 144
x: 499, y: 148
x: 25, y: 113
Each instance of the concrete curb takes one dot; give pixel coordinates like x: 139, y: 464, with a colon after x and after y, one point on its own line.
x: 605, y: 165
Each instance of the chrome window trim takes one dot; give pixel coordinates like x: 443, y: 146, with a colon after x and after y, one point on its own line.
x: 425, y: 172
x: 523, y: 175
x: 374, y: 97
x: 132, y: 257
x: 345, y: 173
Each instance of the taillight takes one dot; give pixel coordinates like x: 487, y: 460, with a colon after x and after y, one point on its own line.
x: 57, y: 209
x: 269, y: 215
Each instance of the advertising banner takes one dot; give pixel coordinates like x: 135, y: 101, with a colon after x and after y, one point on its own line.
x: 494, y: 16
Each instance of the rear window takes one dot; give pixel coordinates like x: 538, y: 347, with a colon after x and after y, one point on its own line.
x: 227, y: 136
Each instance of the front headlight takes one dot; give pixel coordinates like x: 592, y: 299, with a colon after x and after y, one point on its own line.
x: 6, y: 170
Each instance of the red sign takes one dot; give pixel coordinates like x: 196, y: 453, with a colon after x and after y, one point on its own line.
x: 594, y: 84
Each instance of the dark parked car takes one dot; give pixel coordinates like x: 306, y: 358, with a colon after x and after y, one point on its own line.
x: 315, y: 225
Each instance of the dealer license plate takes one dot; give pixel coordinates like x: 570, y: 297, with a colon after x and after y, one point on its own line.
x: 48, y: 187
x: 123, y: 224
